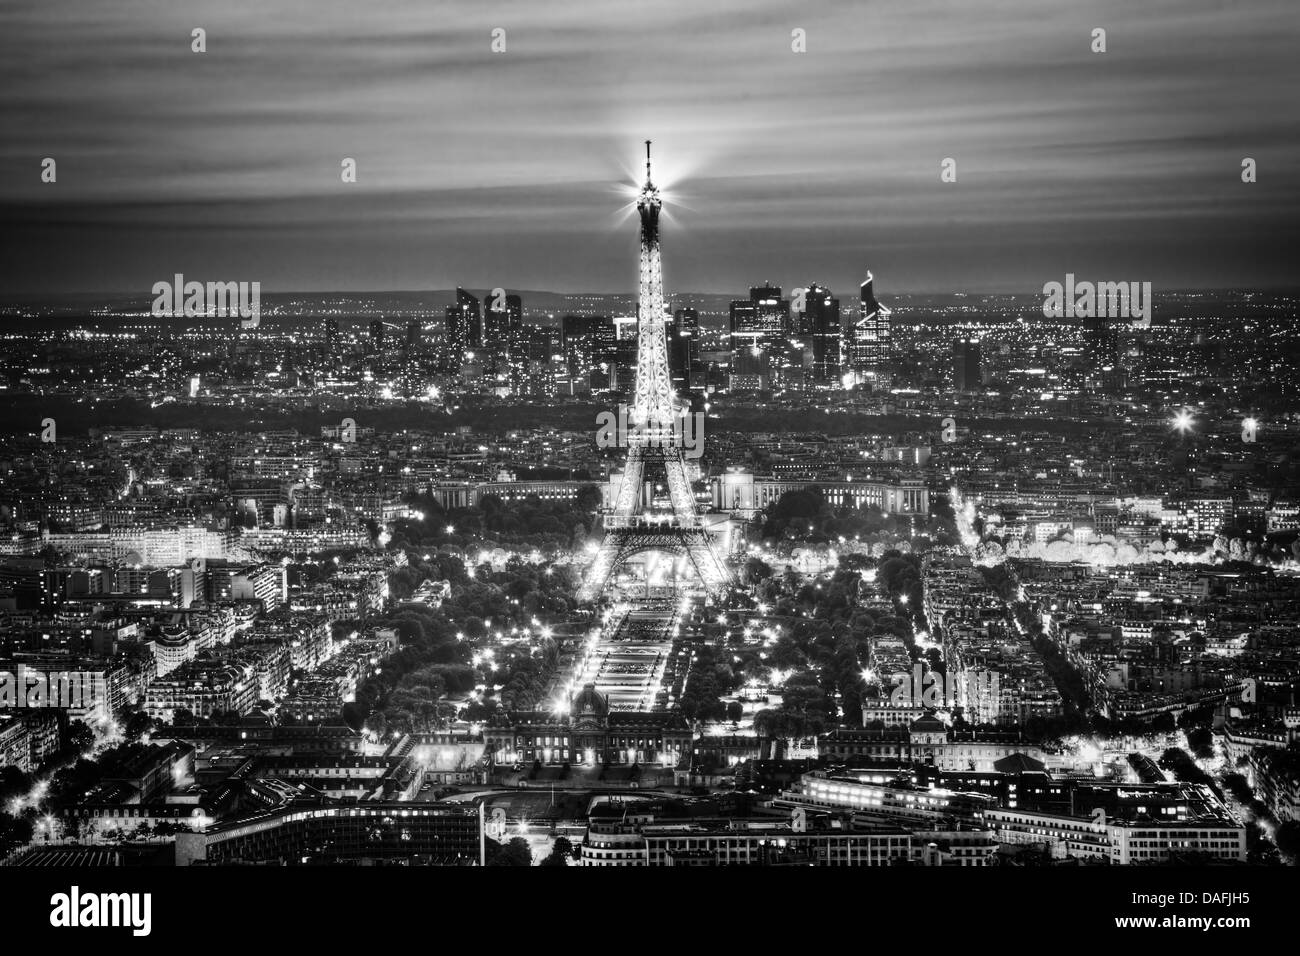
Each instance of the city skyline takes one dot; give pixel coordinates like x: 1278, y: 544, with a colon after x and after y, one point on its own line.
x: 472, y: 164
x: 433, y: 568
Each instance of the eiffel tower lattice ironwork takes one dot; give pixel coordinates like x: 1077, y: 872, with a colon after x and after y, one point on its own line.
x: 633, y: 527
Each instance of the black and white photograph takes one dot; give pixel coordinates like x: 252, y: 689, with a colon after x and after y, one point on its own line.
x: 746, y: 434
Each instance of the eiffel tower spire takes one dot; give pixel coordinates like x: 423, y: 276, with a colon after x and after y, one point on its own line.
x: 633, y: 526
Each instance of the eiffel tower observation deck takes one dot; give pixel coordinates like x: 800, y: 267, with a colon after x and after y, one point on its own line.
x: 635, y: 526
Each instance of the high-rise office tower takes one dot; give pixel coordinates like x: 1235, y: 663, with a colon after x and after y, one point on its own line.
x: 539, y: 362
x: 1101, y: 353
x: 967, y: 375
x: 869, y: 344
x: 503, y: 345
x: 764, y: 316
x: 821, y: 324
x: 684, y: 350
x: 623, y: 372
x: 759, y: 325
x: 503, y: 321
x: 772, y: 312
x: 332, y: 335
x: 744, y: 323
x: 376, y: 336
x: 464, y: 330
x: 588, y: 345
x: 413, y: 330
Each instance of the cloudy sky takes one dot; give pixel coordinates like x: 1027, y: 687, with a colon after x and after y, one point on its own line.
x: 484, y: 169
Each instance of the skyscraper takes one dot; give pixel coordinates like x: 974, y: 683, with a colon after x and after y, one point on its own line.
x: 967, y: 375
x: 772, y: 312
x: 869, y: 344
x: 684, y: 350
x: 758, y: 324
x: 764, y: 316
x: 821, y: 324
x: 539, y: 362
x: 1101, y: 353
x: 464, y: 330
x: 503, y: 345
x: 503, y: 321
x: 332, y: 335
x: 588, y: 345
x: 376, y: 336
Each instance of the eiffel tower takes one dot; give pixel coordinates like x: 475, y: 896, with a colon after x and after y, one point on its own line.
x: 634, y: 526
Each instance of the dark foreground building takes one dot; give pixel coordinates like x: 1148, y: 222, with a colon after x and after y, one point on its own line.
x: 350, y: 833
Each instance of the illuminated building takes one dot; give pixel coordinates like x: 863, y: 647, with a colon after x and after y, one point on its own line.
x: 750, y: 367
x: 684, y: 352
x: 870, y: 346
x: 903, y: 804
x: 1121, y: 842
x: 1101, y: 352
x: 332, y: 336
x: 28, y: 738
x: 263, y: 582
x: 588, y: 342
x: 384, y: 831
x: 764, y: 315
x: 758, y: 325
x: 966, y: 371
x: 202, y: 688
x: 591, y: 734
x: 537, y: 364
x: 464, y: 330
x: 821, y: 324
x: 502, y: 327
x: 639, y: 840
x: 746, y: 494
x: 1277, y: 775
x: 636, y: 525
x: 503, y: 346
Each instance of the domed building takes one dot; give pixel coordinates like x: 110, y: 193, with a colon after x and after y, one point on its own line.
x: 590, y: 706
x: 590, y: 734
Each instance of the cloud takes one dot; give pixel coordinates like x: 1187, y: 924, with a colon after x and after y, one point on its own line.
x: 785, y: 164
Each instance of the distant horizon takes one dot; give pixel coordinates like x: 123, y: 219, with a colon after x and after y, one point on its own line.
x: 885, y: 292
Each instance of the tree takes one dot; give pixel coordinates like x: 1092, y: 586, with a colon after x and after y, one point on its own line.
x: 138, y: 724
x: 514, y: 853
x: 14, y: 832
x: 589, y: 498
x: 1201, y: 740
x: 80, y: 737
x: 561, y: 850
x: 1288, y: 838
x: 757, y: 571
x: 735, y: 710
